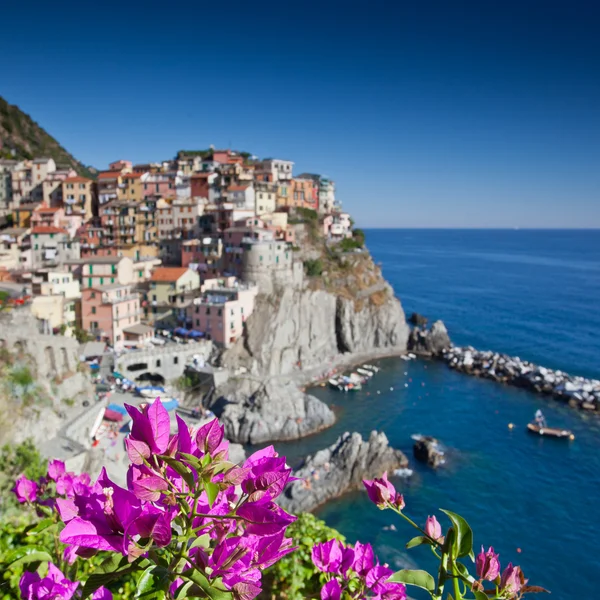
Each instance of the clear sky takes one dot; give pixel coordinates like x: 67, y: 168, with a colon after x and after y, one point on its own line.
x: 427, y: 114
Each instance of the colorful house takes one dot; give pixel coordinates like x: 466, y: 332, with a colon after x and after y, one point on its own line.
x: 79, y: 196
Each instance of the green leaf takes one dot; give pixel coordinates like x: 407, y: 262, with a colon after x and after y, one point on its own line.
x: 418, y: 541
x: 212, y: 491
x: 111, y: 569
x: 26, y: 554
x: 180, y: 469
x: 480, y: 595
x: 417, y: 578
x: 212, y: 591
x: 463, y: 544
x: 182, y: 592
x: 192, y: 460
x: 203, y: 541
x: 153, y: 583
x: 41, y: 526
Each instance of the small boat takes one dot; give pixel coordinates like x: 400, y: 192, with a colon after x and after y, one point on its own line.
x: 372, y: 368
x: 368, y: 374
x: 550, y: 431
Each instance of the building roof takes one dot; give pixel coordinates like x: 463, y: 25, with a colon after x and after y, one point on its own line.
x: 95, y: 260
x: 238, y: 188
x: 76, y: 180
x: 132, y: 175
x: 47, y: 209
x: 27, y: 206
x: 91, y: 349
x: 44, y: 229
x: 109, y: 174
x: 139, y: 329
x: 39, y: 161
x: 168, y: 273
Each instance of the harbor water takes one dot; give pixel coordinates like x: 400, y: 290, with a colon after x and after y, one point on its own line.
x: 531, y: 294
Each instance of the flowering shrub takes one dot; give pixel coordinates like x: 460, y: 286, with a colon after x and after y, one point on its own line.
x: 192, y: 524
x: 353, y: 571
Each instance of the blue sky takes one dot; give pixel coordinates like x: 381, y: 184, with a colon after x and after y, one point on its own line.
x: 427, y: 114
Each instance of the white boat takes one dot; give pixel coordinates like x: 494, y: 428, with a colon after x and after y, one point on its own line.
x: 411, y: 355
x: 371, y: 368
x: 365, y: 372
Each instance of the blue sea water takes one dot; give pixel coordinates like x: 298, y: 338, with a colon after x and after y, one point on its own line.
x: 529, y: 293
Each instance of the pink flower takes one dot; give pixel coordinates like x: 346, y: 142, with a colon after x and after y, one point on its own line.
x: 432, y: 528
x: 328, y: 556
x: 512, y: 580
x: 56, y: 468
x: 25, y: 489
x: 382, y: 492
x: 331, y: 590
x: 487, y: 564
x: 151, y: 426
x: 364, y: 558
x: 210, y: 436
x: 102, y: 594
x: 55, y: 586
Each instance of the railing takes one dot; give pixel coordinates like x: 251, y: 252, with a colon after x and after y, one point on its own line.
x: 109, y: 300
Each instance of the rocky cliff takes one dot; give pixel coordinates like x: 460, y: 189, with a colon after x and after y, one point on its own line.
x: 254, y: 412
x: 305, y: 328
x: 341, y: 467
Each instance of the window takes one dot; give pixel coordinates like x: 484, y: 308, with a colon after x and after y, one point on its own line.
x: 118, y: 338
x: 231, y: 326
x: 93, y: 310
x: 260, y: 257
x: 176, y: 360
x: 112, y: 279
x: 101, y: 280
x: 208, y: 310
x: 36, y: 246
x: 81, y: 186
x: 219, y: 312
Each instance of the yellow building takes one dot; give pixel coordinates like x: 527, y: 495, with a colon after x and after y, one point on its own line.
x: 79, y: 196
x: 131, y: 187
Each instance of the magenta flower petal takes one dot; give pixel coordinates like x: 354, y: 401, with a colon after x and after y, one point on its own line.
x: 432, y: 528
x: 512, y: 580
x: 331, y: 590
x: 210, y: 436
x: 25, y: 489
x: 380, y: 491
x: 487, y: 564
x: 56, y: 468
x: 91, y: 535
x: 264, y: 519
x: 102, y: 594
x: 160, y: 424
x: 328, y: 556
x: 137, y: 450
x: 364, y: 558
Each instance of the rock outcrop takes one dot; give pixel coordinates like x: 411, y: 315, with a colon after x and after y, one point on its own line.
x: 428, y: 450
x: 577, y: 391
x: 309, y: 327
x: 418, y: 320
x: 341, y: 467
x: 254, y: 412
x: 430, y: 342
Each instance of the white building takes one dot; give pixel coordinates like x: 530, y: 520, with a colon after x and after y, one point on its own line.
x: 274, y: 169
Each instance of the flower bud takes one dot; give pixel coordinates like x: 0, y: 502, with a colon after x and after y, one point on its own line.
x: 487, y: 564
x: 512, y: 580
x: 380, y: 491
x: 432, y: 528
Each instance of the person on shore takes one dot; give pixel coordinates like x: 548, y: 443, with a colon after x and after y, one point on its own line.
x: 539, y: 418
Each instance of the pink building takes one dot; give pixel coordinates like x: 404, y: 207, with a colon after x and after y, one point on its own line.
x: 158, y: 184
x: 220, y: 313
x: 204, y: 254
x: 121, y: 165
x: 337, y: 226
x: 47, y: 216
x: 112, y: 313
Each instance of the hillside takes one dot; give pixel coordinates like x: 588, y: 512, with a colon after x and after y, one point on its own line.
x: 19, y: 132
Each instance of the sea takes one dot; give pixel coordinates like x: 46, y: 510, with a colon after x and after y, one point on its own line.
x: 530, y: 293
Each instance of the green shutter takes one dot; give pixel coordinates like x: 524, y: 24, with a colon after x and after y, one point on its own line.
x: 90, y: 282
x: 112, y: 279
x: 101, y: 280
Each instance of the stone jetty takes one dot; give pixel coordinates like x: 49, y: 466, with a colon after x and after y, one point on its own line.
x: 579, y: 392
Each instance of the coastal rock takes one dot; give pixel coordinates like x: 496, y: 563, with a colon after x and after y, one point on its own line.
x: 297, y: 328
x: 576, y: 391
x: 433, y: 341
x: 341, y: 467
x: 418, y: 320
x: 255, y: 412
x: 428, y: 450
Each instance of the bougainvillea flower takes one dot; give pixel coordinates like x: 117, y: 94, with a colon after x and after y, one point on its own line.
x: 185, y: 442
x: 487, y: 564
x: 210, y: 436
x: 512, y: 580
x: 102, y: 525
x: 56, y: 468
x: 25, y: 490
x: 364, y: 558
x: 328, y: 556
x: 137, y: 451
x: 151, y: 425
x: 55, y: 586
x: 377, y: 577
x: 264, y: 519
x: 102, y: 594
x: 153, y: 523
x: 331, y: 590
x: 380, y: 491
x: 432, y: 528
x: 145, y: 484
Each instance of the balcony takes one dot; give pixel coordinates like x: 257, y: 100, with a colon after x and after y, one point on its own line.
x: 106, y: 299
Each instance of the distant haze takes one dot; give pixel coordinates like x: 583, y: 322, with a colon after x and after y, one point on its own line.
x: 431, y: 114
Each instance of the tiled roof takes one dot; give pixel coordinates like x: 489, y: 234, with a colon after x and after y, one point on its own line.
x: 77, y: 180
x: 46, y: 209
x: 132, y: 175
x: 44, y: 229
x: 109, y: 174
x: 168, y: 273
x: 237, y: 188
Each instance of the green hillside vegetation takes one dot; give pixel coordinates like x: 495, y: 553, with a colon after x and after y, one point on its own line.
x: 22, y: 138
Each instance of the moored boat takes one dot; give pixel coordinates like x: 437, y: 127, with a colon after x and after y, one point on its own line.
x: 550, y: 431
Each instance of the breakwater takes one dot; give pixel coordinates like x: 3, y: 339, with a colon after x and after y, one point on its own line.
x: 579, y: 392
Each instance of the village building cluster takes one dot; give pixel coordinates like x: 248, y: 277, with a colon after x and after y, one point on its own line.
x: 185, y: 243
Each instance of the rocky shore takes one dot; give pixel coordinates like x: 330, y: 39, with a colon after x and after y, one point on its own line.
x: 341, y: 467
x: 579, y: 392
